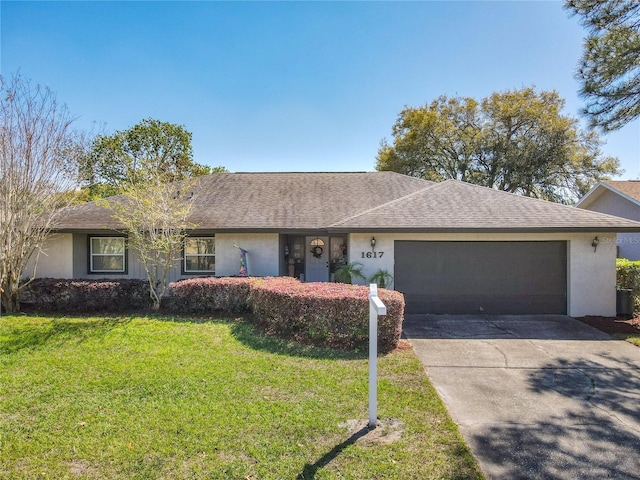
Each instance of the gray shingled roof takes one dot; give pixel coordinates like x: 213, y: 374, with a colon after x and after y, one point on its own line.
x: 458, y: 207
x: 371, y: 201
x: 277, y: 201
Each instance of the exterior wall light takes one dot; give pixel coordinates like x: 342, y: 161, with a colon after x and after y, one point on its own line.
x: 373, y: 243
x: 594, y: 243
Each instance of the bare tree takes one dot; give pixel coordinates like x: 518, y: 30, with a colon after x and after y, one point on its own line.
x: 154, y: 216
x: 38, y: 154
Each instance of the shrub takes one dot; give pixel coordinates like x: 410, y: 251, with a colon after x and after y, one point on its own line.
x: 382, y: 278
x: 349, y: 272
x: 200, y: 295
x: 628, y: 277
x: 86, y: 295
x: 325, y: 314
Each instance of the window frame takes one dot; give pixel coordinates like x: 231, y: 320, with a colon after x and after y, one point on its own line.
x: 91, y: 255
x: 185, y: 255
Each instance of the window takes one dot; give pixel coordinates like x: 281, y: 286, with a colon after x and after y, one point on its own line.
x: 107, y: 255
x: 200, y: 255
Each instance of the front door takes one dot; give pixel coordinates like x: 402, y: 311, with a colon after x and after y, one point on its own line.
x: 317, y: 255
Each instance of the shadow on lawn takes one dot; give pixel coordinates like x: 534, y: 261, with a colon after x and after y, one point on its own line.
x: 309, y: 471
x: 55, y: 330
x: 245, y: 330
x: 253, y: 337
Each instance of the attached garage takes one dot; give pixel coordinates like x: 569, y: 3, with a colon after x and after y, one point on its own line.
x: 492, y: 277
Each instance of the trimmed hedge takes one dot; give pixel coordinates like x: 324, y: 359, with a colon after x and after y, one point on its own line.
x: 628, y: 277
x: 200, y: 295
x: 325, y: 314
x: 86, y: 295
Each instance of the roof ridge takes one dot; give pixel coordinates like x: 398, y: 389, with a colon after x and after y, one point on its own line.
x: 390, y: 202
x: 516, y: 195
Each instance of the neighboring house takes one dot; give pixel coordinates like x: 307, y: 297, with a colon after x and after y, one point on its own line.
x: 622, y: 199
x: 452, y: 247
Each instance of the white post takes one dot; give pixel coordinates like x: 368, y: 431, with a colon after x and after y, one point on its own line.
x: 376, y: 307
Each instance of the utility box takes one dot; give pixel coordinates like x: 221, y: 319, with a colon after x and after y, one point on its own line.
x: 624, y: 302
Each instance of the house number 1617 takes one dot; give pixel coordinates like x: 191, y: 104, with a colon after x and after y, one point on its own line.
x: 372, y: 254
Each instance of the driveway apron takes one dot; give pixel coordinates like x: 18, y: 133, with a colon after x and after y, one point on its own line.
x: 536, y: 397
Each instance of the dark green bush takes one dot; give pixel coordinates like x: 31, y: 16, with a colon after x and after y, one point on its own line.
x: 54, y: 294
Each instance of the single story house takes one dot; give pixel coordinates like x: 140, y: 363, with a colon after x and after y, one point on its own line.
x: 622, y: 199
x: 452, y: 247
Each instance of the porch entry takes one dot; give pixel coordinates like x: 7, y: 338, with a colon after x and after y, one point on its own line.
x: 317, y: 263
x: 314, y: 258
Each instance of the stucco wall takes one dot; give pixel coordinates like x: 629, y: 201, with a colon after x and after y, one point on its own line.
x: 263, y: 257
x: 55, y: 259
x: 591, y: 276
x: 613, y: 204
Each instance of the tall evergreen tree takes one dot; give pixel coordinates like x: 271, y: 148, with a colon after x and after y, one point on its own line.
x: 609, y: 70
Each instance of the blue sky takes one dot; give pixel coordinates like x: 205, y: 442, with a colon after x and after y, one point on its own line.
x: 290, y: 86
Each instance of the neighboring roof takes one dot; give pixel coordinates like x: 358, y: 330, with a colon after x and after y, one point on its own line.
x: 631, y: 188
x: 365, y: 201
x: 628, y: 189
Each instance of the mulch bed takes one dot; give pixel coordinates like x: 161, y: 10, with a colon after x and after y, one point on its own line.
x: 612, y: 325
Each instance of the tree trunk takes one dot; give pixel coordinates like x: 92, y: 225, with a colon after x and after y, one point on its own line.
x: 157, y: 293
x: 10, y: 302
x: 155, y: 299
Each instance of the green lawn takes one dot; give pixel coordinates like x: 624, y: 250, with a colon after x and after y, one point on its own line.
x: 635, y: 339
x: 165, y: 397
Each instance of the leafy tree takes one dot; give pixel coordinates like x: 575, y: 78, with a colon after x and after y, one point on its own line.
x: 517, y: 141
x: 135, y: 155
x: 609, y: 70
x: 151, y: 167
x: 38, y: 155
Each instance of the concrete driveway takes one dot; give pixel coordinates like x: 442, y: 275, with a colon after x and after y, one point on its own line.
x: 536, y: 397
